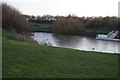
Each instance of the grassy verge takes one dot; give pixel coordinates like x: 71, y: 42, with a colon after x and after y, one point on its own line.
x: 27, y: 60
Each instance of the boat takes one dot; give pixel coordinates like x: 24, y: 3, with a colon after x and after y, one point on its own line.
x: 110, y: 36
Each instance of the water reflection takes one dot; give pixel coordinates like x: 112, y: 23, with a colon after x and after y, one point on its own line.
x: 78, y: 42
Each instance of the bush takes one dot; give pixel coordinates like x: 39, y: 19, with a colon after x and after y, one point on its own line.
x: 13, y: 20
x: 68, y: 25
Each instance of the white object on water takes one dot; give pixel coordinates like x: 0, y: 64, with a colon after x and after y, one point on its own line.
x: 110, y: 36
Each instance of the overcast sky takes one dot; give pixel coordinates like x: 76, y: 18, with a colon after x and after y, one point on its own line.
x: 65, y: 7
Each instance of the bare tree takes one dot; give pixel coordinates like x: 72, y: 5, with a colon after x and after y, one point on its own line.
x: 13, y: 19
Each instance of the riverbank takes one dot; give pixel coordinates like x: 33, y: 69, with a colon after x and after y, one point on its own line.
x: 28, y: 60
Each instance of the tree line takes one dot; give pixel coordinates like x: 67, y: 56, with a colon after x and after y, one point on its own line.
x: 14, y: 20
x: 91, y: 23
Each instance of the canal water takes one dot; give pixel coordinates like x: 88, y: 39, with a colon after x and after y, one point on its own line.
x: 78, y: 42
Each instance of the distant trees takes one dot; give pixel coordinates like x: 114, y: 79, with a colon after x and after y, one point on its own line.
x: 13, y: 20
x: 68, y: 25
x: 86, y: 25
x: 102, y: 23
x: 75, y: 25
x: 48, y: 19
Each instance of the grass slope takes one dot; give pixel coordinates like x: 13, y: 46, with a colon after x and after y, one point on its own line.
x: 27, y: 60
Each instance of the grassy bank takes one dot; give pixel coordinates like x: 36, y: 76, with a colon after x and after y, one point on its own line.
x: 27, y: 60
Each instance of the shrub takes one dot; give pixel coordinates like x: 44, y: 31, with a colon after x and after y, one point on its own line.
x: 68, y: 25
x: 13, y: 20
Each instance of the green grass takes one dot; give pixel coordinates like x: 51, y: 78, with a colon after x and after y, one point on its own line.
x: 27, y: 60
x: 46, y: 25
x: 42, y: 27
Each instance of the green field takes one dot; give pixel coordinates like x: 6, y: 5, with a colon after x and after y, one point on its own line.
x: 28, y: 60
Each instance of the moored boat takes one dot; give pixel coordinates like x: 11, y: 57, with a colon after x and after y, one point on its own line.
x: 110, y: 36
